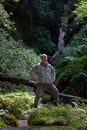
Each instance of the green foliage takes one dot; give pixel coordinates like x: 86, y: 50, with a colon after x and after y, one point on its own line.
x: 72, y: 67
x: 80, y: 113
x: 4, y: 102
x: 80, y: 37
x: 46, y: 98
x: 16, y: 0
x: 39, y: 23
x: 78, y: 44
x: 42, y: 115
x: 10, y: 120
x: 16, y: 108
x: 43, y: 10
x: 76, y: 117
x: 2, y: 123
x: 15, y: 58
x: 42, y: 40
x: 76, y: 73
x: 69, y: 6
x: 20, y: 102
x: 16, y: 103
x: 81, y: 10
x: 4, y: 18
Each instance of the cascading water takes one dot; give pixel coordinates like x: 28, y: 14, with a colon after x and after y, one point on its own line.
x: 60, y: 42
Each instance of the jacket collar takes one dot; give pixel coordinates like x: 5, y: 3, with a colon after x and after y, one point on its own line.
x: 44, y: 64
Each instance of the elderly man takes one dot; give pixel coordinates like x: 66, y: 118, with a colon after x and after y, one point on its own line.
x: 44, y: 74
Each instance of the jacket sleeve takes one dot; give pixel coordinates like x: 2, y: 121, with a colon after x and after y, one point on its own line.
x: 34, y: 74
x: 53, y: 73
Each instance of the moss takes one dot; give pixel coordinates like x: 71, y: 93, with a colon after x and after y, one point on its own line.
x: 2, y: 123
x: 10, y: 120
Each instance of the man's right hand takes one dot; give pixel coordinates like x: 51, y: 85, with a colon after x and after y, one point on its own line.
x: 39, y: 81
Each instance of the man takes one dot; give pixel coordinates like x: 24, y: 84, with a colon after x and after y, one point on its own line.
x: 44, y: 74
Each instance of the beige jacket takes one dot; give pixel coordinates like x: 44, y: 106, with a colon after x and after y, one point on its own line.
x: 45, y: 73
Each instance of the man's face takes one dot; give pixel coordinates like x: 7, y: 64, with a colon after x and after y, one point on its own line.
x: 44, y: 59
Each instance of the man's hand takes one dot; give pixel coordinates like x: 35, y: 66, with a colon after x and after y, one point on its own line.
x: 51, y: 82
x: 39, y: 81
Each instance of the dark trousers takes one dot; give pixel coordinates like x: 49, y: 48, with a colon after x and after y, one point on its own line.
x: 49, y: 88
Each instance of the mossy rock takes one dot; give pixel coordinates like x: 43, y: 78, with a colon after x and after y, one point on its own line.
x: 82, y: 128
x: 32, y: 121
x: 61, y: 120
x: 10, y: 120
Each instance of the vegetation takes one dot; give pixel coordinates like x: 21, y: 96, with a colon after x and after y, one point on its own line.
x: 15, y: 58
x: 38, y: 24
x: 12, y: 107
x: 81, y: 10
x: 43, y: 43
x: 2, y: 123
x: 28, y: 28
x: 4, y: 18
x: 72, y: 67
x: 73, y: 118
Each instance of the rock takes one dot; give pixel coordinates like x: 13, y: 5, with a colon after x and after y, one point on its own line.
x: 23, y: 123
x: 58, y: 121
x: 10, y: 119
x: 82, y: 128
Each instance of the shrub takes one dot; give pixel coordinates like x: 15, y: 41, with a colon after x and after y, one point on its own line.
x: 15, y: 58
x: 20, y: 102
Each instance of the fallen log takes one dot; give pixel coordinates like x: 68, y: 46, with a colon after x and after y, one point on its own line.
x: 18, y: 80
x: 70, y: 98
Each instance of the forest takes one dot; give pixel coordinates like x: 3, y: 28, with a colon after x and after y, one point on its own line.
x: 29, y: 28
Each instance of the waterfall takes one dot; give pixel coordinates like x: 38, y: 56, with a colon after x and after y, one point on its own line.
x: 60, y: 45
x: 61, y: 40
